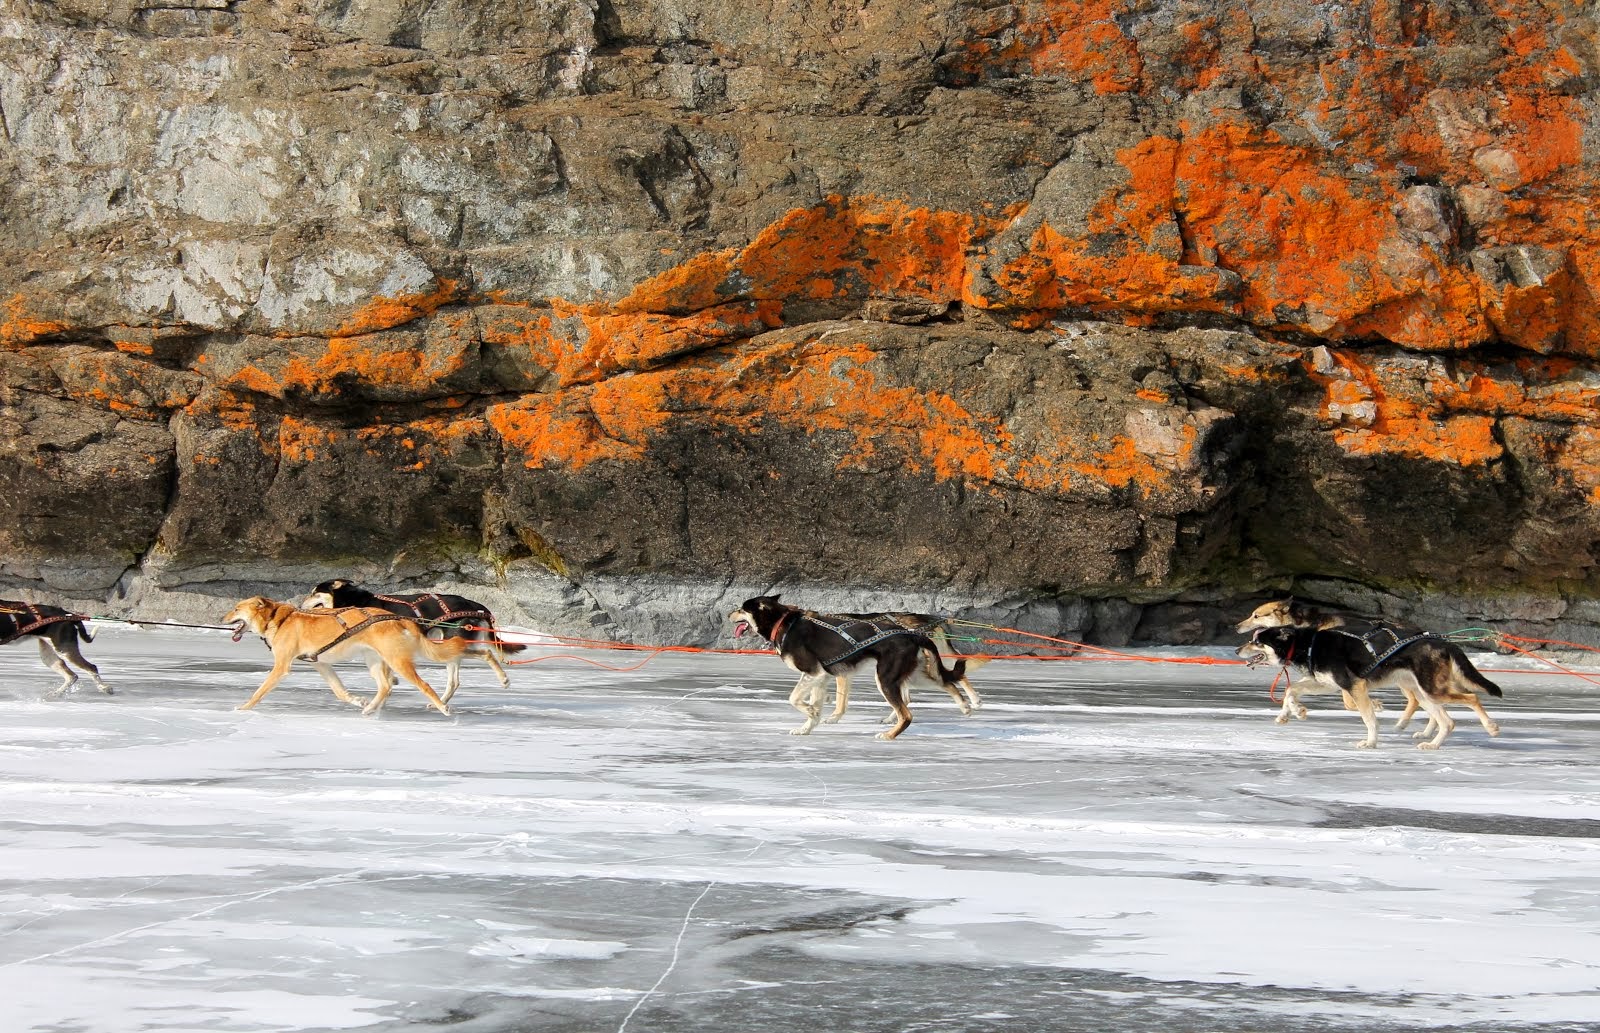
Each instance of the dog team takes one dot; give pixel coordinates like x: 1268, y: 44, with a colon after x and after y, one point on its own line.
x: 1328, y: 650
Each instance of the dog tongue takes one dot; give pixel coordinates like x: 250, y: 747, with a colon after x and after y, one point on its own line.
x: 739, y: 629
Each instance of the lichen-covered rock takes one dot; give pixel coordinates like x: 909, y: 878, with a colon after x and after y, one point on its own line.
x: 1055, y: 308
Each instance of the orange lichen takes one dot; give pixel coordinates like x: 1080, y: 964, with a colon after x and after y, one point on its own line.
x: 1129, y: 260
x: 299, y: 440
x: 1080, y: 41
x: 827, y: 389
x: 1446, y: 417
x: 384, y: 313
x: 19, y: 327
x: 822, y: 388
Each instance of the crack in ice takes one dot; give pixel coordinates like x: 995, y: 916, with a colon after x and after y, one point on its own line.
x: 677, y: 946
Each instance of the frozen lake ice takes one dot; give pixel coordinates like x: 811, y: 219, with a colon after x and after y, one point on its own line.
x: 1103, y: 847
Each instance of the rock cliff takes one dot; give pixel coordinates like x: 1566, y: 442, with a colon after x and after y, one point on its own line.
x: 1102, y: 314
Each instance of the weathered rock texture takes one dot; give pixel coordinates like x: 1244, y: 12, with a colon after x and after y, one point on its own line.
x: 616, y: 310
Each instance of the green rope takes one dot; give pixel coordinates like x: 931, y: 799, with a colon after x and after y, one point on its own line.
x: 1473, y: 635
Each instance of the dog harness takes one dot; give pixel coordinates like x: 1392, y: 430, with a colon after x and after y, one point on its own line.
x: 37, y: 620
x: 859, y: 632
x: 446, y: 615
x: 1382, y: 642
x: 349, y: 629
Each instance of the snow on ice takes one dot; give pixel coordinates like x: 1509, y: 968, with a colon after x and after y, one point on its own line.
x: 1105, y: 846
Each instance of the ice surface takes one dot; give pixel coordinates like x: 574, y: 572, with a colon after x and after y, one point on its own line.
x: 1105, y: 846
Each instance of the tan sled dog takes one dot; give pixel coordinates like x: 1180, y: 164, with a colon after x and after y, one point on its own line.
x: 384, y: 640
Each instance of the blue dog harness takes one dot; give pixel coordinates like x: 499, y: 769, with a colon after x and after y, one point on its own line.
x: 1381, y: 651
x: 859, y: 632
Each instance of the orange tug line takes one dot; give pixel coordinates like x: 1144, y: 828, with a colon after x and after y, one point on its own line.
x: 1072, y: 648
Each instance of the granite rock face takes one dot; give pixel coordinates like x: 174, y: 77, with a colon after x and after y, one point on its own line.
x: 1105, y: 315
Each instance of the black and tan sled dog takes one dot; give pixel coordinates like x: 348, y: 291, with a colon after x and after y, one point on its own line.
x: 444, y: 616
x: 1378, y: 633
x: 386, y: 641
x: 821, y: 647
x: 962, y: 691
x: 58, y: 632
x: 1435, y: 670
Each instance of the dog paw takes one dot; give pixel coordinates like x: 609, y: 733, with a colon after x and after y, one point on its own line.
x: 886, y: 736
x: 1281, y: 719
x: 1422, y: 734
x: 1366, y: 744
x: 966, y: 711
x: 832, y: 719
x: 1492, y: 729
x: 1302, y: 713
x: 802, y: 730
x: 1427, y: 746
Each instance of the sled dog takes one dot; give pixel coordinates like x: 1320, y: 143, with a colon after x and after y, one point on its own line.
x: 823, y: 646
x: 452, y: 616
x: 1294, y: 613
x: 1435, y: 670
x: 967, y: 698
x: 58, y: 632
x: 388, y: 643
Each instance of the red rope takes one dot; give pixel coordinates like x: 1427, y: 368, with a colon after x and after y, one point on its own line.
x: 1272, y: 691
x: 1073, y: 651
x: 1543, y: 660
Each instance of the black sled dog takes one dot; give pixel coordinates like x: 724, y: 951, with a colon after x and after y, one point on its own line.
x: 931, y: 625
x: 820, y: 647
x: 1379, y: 633
x: 58, y: 632
x: 1433, y: 670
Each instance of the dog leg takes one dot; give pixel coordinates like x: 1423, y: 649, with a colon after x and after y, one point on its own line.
x: 336, y: 685
x: 841, y: 698
x: 1369, y: 716
x: 1445, y: 722
x: 383, y: 679
x: 1349, y: 704
x: 492, y: 658
x: 1292, y: 707
x: 452, y: 679
x: 804, y: 699
x: 896, y: 696
x: 408, y: 671
x: 1471, y: 700
x: 955, y: 694
x: 1411, y: 708
x: 274, y: 676
x: 69, y: 649
x: 53, y: 660
x: 974, y: 701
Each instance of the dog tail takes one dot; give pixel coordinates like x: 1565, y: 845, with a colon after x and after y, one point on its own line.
x: 83, y: 631
x: 447, y: 650
x: 501, y: 644
x: 1464, y: 668
x: 953, y: 674
x: 486, y: 637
